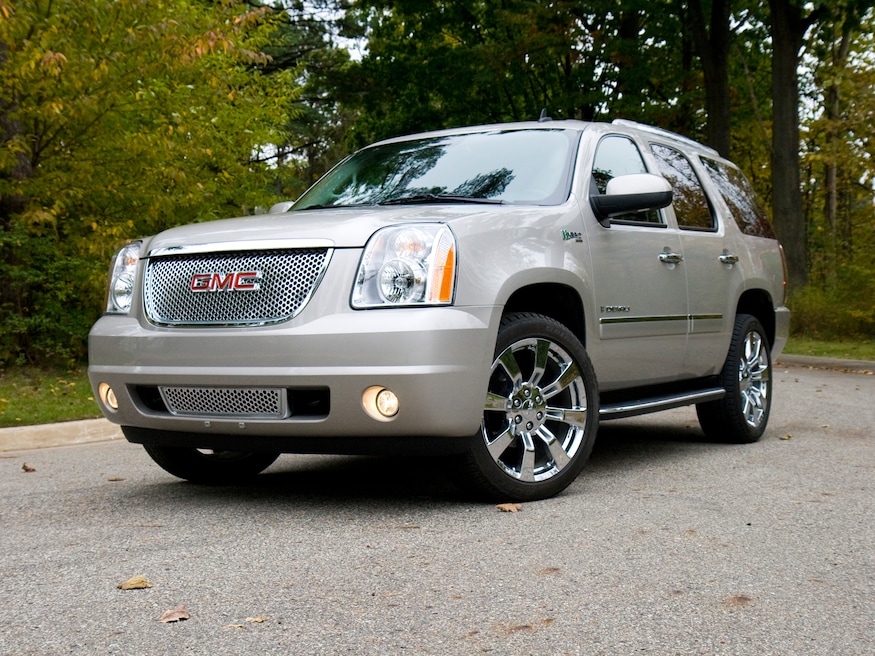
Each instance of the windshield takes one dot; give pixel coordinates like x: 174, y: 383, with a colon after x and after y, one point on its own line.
x: 529, y: 167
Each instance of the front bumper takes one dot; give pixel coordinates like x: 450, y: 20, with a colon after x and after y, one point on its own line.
x: 436, y: 360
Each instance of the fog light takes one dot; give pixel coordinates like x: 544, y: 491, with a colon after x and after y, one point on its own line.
x: 107, y: 396
x: 387, y: 403
x: 380, y: 403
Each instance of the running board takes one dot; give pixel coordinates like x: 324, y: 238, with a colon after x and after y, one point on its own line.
x: 658, y: 403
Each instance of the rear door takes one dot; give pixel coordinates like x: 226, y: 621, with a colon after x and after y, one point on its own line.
x: 712, y: 263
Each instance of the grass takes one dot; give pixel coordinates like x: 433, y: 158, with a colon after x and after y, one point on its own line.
x: 30, y: 396
x: 850, y: 350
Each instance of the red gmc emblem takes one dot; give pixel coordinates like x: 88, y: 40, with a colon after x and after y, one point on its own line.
x: 236, y: 281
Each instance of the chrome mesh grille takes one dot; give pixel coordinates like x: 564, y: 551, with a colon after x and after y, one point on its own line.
x: 242, y: 402
x: 284, y: 284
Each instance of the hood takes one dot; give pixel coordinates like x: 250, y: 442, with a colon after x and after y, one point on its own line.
x: 338, y: 228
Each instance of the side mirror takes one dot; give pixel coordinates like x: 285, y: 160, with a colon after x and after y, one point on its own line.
x: 628, y: 194
x: 279, y: 208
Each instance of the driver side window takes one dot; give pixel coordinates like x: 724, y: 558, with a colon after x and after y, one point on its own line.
x: 616, y: 156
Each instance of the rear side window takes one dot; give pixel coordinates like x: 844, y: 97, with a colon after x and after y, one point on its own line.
x: 740, y: 197
x: 690, y: 203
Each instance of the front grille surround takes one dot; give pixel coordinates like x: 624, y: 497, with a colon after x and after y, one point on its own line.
x: 287, y: 280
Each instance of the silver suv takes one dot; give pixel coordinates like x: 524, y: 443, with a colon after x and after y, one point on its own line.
x: 489, y: 292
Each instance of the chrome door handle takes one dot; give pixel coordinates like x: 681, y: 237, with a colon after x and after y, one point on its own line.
x: 667, y: 257
x: 727, y: 258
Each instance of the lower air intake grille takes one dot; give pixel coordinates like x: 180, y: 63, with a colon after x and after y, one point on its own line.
x: 231, y: 402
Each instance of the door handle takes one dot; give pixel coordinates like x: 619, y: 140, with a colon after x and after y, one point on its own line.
x: 727, y: 258
x: 667, y: 257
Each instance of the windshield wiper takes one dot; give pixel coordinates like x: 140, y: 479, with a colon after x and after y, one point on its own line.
x: 418, y: 199
x: 330, y: 206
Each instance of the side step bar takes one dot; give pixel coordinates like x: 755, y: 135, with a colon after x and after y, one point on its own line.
x: 635, y: 407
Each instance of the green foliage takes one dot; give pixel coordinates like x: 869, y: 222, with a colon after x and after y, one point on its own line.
x: 843, y: 309
x: 838, y: 148
x: 119, y: 118
x: 315, y: 137
x: 433, y: 64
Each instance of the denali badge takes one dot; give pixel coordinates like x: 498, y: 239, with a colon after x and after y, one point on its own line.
x: 236, y: 281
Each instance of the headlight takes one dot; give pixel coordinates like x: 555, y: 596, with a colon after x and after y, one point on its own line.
x: 122, y: 275
x: 407, y: 265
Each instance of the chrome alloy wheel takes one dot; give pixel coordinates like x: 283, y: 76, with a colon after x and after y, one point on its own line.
x: 754, y: 374
x: 535, y: 415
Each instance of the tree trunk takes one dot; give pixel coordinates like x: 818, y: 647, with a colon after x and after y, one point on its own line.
x: 712, y: 46
x: 833, y: 112
x: 787, y: 29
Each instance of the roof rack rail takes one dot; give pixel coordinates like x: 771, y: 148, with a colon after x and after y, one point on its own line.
x: 668, y: 134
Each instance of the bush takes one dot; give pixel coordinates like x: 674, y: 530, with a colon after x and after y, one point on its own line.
x: 838, y: 310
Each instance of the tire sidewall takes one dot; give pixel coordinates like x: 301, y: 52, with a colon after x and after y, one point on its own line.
x: 209, y: 469
x: 736, y: 428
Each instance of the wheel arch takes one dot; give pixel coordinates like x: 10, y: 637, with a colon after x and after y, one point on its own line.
x: 554, y: 300
x: 758, y: 303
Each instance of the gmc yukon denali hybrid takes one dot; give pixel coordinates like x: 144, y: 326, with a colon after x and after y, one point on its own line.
x: 488, y: 293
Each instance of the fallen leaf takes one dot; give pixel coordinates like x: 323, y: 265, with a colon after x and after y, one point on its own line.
x: 257, y: 620
x: 738, y: 601
x: 787, y: 437
x: 550, y: 570
x: 27, y: 468
x: 138, y: 582
x: 510, y: 507
x: 115, y: 479
x: 176, y: 615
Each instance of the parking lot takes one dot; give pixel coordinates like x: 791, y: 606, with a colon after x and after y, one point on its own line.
x: 666, y: 544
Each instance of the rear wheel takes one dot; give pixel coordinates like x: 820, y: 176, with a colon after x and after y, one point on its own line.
x: 207, y: 466
x: 741, y: 416
x: 540, y: 412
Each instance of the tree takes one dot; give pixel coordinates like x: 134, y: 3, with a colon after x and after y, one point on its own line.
x: 789, y: 23
x: 305, y: 44
x: 119, y: 118
x: 712, y: 38
x: 838, y: 179
x: 436, y: 64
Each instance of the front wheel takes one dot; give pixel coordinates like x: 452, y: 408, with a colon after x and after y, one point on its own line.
x: 741, y: 416
x: 209, y: 467
x: 540, y: 412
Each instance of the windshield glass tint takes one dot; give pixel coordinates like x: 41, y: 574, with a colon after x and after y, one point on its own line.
x: 510, y: 166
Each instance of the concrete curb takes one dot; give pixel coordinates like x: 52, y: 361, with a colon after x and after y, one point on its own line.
x: 834, y: 364
x: 20, y: 438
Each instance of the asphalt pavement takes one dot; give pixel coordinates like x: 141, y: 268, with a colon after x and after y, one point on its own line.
x: 667, y: 545
x: 20, y: 438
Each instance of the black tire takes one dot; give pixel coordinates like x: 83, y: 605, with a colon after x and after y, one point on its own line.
x: 741, y: 416
x: 540, y: 415
x: 209, y: 467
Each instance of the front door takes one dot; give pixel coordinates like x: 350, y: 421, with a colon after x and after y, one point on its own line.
x: 640, y: 283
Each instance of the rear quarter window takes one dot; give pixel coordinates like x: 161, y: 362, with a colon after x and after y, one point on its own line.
x: 737, y: 192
